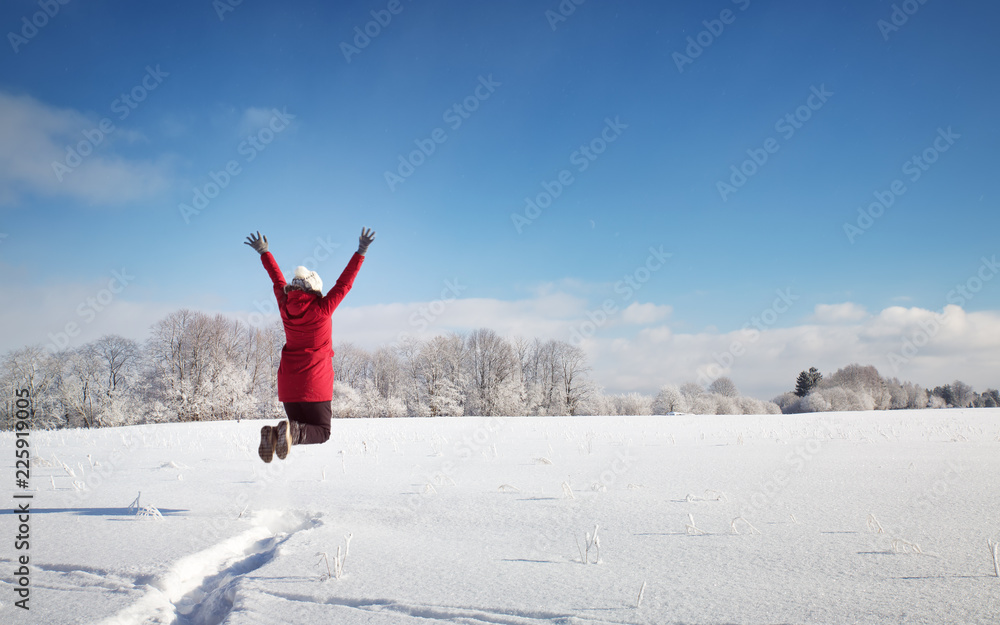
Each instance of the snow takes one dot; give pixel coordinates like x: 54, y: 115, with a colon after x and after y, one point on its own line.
x: 480, y: 520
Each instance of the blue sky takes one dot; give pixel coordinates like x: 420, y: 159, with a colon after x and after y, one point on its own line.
x: 553, y: 86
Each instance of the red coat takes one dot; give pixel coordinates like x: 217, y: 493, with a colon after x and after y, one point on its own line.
x: 305, y: 372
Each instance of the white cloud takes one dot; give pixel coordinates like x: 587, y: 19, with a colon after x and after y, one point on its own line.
x: 544, y: 316
x: 930, y: 348
x: 644, y: 314
x: 838, y: 313
x: 70, y: 315
x: 253, y: 119
x: 36, y: 135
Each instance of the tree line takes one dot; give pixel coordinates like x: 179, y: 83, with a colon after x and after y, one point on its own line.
x: 858, y: 387
x: 199, y: 367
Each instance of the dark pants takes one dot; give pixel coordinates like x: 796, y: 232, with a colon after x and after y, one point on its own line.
x: 313, y: 418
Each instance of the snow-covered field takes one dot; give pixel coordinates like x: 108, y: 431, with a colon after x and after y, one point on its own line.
x: 476, y: 520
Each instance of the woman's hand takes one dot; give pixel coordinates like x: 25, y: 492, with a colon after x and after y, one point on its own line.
x: 259, y: 244
x: 366, y: 238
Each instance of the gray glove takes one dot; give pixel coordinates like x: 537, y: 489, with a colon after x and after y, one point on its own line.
x: 366, y: 238
x: 259, y: 244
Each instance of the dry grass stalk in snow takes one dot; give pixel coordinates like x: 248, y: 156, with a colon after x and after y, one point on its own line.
x: 135, y: 504
x: 568, y: 490
x: 904, y: 546
x: 148, y: 512
x: 443, y: 480
x: 325, y: 558
x: 638, y: 600
x: 591, y: 542
x: 753, y: 530
x: 995, y: 552
x: 338, y: 562
x: 874, y: 525
x: 338, y: 568
x: 691, y: 527
x: 710, y: 495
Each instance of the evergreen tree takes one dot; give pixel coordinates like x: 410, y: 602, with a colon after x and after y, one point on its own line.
x: 806, y: 381
x: 944, y: 392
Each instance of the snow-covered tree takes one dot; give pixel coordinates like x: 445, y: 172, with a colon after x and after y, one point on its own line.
x: 936, y: 401
x: 705, y: 404
x: 815, y: 402
x: 691, y: 390
x: 669, y: 399
x: 350, y: 364
x: 39, y: 371
x: 491, y: 365
x: 962, y: 395
x: 789, y: 403
x: 443, y: 375
x: 346, y: 401
x: 990, y: 398
x: 725, y: 387
x: 633, y: 404
x: 865, y: 382
x: 749, y: 405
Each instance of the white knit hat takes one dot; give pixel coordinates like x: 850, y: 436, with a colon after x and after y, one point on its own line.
x: 307, y: 280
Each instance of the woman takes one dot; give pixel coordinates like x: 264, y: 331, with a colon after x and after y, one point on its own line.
x: 305, y: 373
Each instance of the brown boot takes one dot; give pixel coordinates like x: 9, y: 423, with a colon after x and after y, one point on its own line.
x: 288, y: 435
x: 268, y: 441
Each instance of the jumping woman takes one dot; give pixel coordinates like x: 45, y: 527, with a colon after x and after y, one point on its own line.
x: 305, y: 372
